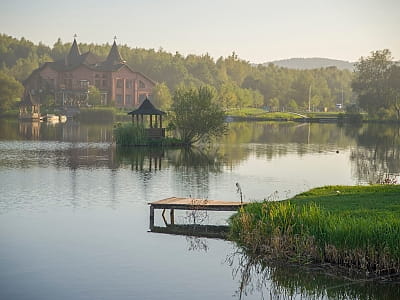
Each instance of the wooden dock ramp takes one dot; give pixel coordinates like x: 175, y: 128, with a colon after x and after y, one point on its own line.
x: 173, y: 203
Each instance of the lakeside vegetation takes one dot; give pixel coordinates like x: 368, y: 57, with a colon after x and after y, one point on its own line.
x: 373, y: 87
x: 238, y: 83
x: 356, y: 227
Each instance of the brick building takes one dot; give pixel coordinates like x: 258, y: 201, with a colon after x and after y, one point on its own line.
x: 70, y: 78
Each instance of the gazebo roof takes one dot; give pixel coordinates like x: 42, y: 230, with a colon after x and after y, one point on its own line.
x: 146, y: 108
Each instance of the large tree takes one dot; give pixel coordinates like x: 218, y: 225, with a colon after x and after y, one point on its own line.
x: 376, y: 84
x: 10, y: 90
x: 394, y: 86
x: 196, y: 115
x: 161, y: 96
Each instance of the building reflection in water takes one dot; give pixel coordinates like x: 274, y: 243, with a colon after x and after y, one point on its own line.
x: 29, y: 130
x: 374, y: 148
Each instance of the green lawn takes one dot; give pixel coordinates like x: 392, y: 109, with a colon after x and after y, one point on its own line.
x: 259, y: 113
x: 354, y: 200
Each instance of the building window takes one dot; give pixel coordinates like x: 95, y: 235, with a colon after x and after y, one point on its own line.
x: 103, y: 98
x: 120, y: 83
x: 104, y: 83
x: 119, y: 100
x: 97, y: 83
x: 142, y: 85
x: 84, y: 84
x: 128, y: 100
x: 103, y: 75
x: 97, y: 75
x: 128, y: 84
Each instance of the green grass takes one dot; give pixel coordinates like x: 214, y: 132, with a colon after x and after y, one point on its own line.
x: 357, y: 227
x: 259, y: 113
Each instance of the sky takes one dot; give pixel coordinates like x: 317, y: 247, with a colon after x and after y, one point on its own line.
x: 257, y: 30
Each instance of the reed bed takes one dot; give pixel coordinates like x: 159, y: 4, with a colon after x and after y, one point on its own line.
x: 129, y: 134
x: 351, y: 228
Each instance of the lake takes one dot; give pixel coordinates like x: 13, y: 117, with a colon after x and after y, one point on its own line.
x: 74, y: 214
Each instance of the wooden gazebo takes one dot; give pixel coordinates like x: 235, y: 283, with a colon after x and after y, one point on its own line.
x: 154, y: 129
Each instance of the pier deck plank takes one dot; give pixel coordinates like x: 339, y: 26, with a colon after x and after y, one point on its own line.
x: 196, y: 204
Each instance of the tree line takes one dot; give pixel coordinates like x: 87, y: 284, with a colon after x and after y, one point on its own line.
x: 237, y: 82
x: 373, y: 87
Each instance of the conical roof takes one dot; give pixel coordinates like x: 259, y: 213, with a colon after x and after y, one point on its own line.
x: 74, y: 54
x: 146, y: 108
x: 114, y: 57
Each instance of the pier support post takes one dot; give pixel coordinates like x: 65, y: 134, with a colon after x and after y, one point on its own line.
x: 172, y: 217
x: 151, y: 217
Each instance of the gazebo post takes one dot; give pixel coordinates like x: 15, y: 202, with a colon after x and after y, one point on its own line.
x: 151, y: 121
x: 160, y: 121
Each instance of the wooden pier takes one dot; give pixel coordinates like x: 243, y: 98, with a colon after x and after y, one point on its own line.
x: 173, y: 203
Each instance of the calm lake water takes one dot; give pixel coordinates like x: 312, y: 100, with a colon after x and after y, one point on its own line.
x: 74, y: 216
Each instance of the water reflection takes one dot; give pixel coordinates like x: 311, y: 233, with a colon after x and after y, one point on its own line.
x: 142, y: 158
x: 377, y: 153
x: 274, y: 281
x: 374, y: 148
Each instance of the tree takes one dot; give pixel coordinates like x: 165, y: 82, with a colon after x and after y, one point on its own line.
x: 274, y: 104
x: 161, y: 96
x: 196, y: 115
x: 10, y: 90
x: 394, y: 86
x: 376, y: 85
x: 94, y: 96
x: 293, y: 105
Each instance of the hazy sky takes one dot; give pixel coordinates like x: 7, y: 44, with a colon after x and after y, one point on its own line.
x: 257, y: 30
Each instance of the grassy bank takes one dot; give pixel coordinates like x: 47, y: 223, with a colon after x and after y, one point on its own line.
x: 356, y: 227
x: 10, y: 114
x: 259, y: 114
x: 102, y: 114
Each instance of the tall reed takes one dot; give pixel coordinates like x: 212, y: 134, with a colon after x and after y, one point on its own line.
x: 309, y: 233
x: 129, y: 134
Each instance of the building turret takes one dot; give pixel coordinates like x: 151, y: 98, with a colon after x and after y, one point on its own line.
x: 74, y: 54
x: 114, y: 57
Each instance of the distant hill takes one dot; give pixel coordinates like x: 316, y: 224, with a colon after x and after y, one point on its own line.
x: 312, y: 63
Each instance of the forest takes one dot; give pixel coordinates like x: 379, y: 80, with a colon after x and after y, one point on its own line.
x: 237, y: 82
